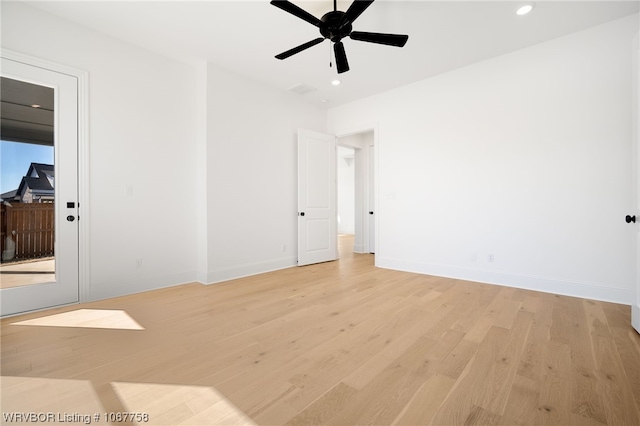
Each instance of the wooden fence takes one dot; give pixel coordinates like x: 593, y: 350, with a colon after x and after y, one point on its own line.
x: 31, y: 227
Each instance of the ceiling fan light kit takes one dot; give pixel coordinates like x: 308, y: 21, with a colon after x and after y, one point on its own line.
x: 335, y: 26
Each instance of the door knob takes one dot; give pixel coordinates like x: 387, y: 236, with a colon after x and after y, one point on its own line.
x: 301, y: 213
x: 370, y: 212
x: 71, y: 218
x: 630, y: 219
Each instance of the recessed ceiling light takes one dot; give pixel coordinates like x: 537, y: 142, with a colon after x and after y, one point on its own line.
x: 35, y: 106
x: 336, y: 82
x: 524, y: 9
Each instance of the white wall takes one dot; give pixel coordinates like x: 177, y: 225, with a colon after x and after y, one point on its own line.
x: 142, y: 113
x: 346, y: 190
x: 524, y: 156
x: 251, y: 182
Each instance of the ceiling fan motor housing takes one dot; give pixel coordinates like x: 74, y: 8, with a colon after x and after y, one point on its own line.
x: 332, y: 26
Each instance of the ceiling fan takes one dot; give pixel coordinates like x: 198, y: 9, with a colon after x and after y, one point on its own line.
x: 336, y: 25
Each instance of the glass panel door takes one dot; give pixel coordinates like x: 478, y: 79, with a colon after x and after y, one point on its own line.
x: 38, y: 179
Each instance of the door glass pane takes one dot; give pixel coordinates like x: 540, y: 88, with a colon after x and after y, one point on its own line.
x: 27, y: 184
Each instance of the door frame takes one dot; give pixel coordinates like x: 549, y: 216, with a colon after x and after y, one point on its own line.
x: 83, y: 158
x: 370, y: 195
x: 635, y: 162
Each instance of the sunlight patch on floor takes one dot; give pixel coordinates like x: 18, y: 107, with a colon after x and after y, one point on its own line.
x: 87, y: 318
x: 53, y: 401
x: 180, y: 404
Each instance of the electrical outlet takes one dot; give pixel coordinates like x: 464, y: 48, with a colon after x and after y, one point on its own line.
x: 490, y: 258
x: 139, y: 263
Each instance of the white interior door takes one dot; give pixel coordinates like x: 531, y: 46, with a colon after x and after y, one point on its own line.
x: 635, y: 306
x: 317, y: 220
x: 63, y: 287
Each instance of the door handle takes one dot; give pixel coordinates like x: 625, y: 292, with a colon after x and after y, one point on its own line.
x: 630, y: 219
x: 71, y: 218
x: 301, y: 214
x: 370, y: 212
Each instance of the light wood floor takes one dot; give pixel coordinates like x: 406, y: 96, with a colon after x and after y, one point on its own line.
x: 339, y: 343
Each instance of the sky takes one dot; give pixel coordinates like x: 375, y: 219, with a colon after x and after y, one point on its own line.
x: 15, y: 158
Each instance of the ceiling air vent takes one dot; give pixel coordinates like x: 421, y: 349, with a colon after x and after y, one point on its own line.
x: 302, y: 89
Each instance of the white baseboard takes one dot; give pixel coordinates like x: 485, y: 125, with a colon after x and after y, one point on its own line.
x: 584, y: 290
x: 241, y: 271
x: 635, y: 316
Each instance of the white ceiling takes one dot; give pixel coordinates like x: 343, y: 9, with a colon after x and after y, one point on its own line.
x: 244, y: 36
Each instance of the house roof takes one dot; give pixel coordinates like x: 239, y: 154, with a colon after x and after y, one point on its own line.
x: 36, y: 183
x: 36, y: 179
x: 9, y: 196
x: 41, y: 169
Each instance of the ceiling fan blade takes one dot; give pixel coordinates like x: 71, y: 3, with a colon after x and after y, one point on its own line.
x: 398, y: 40
x: 298, y: 49
x: 355, y: 10
x: 287, y: 6
x: 341, y: 57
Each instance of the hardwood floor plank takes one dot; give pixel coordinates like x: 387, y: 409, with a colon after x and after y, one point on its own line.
x: 482, y: 297
x: 531, y: 360
x: 479, y: 330
x: 585, y: 400
x: 555, y: 387
x: 384, y: 398
x: 531, y: 302
x: 619, y: 406
x: 562, y: 323
x: 454, y: 364
x: 508, y: 314
x: 503, y: 370
x: 471, y: 384
x: 426, y: 401
x: 377, y: 362
x: 522, y: 405
x: 480, y: 416
x: 325, y: 407
x: 628, y: 346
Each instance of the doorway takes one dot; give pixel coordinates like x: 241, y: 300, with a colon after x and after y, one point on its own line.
x: 345, y: 169
x: 317, y: 194
x: 356, y: 189
x: 40, y: 247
